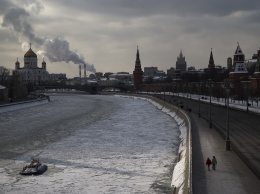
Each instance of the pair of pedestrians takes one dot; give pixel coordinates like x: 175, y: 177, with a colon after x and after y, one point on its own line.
x: 213, y: 162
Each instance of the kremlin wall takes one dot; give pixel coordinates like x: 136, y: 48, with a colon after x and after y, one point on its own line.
x: 236, y: 75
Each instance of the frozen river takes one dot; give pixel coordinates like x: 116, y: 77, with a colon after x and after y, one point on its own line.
x: 91, y: 144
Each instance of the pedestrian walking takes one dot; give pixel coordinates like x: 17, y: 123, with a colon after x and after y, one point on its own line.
x: 208, y: 163
x: 214, y: 163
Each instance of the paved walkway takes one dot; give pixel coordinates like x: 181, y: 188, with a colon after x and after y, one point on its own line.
x: 232, y: 176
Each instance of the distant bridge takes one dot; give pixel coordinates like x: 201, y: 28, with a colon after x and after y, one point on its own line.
x: 90, y: 88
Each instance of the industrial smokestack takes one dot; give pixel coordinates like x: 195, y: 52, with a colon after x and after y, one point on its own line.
x: 85, y: 73
x: 80, y: 74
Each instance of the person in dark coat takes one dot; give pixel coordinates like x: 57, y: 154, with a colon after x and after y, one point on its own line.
x: 214, y: 163
x: 208, y: 163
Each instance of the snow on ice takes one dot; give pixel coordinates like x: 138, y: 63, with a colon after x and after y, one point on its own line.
x: 130, y: 150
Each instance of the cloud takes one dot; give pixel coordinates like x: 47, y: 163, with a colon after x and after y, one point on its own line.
x: 55, y: 49
x: 146, y: 8
x: 109, y: 30
x: 58, y: 49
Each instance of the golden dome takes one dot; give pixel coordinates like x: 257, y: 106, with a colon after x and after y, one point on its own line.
x: 30, y: 53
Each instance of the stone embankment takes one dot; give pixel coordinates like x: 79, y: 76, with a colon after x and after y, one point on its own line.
x: 23, y: 104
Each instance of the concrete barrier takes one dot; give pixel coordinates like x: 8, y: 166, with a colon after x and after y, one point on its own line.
x: 23, y: 104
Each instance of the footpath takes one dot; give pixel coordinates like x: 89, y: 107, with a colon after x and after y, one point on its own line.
x: 232, y: 176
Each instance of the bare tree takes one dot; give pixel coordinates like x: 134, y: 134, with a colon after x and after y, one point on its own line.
x: 4, y: 74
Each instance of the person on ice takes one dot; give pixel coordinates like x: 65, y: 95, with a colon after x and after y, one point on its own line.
x: 208, y: 163
x: 214, y: 163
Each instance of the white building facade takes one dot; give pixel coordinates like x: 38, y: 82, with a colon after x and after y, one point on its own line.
x: 31, y: 73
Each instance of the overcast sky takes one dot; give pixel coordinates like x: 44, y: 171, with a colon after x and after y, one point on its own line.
x: 104, y: 34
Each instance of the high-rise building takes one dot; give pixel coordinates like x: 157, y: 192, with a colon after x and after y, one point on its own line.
x: 150, y: 71
x: 171, y: 72
x: 181, y: 63
x: 229, y: 63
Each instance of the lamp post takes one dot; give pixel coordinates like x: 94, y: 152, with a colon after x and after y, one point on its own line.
x: 246, y: 90
x: 227, y: 85
x: 199, y: 91
x: 187, y: 95
x: 210, y: 85
x: 190, y: 93
x: 164, y: 92
x: 177, y: 90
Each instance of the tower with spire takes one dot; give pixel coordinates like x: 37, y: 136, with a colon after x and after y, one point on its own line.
x: 138, y: 73
x: 181, y: 64
x: 239, y: 56
x: 239, y: 71
x: 211, y: 65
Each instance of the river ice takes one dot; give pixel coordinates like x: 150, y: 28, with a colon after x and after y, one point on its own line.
x: 91, y: 144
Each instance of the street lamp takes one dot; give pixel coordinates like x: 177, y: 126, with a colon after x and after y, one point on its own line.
x: 210, y: 85
x: 199, y: 91
x: 187, y: 95
x: 227, y: 85
x: 246, y: 90
x: 190, y: 92
x: 177, y: 90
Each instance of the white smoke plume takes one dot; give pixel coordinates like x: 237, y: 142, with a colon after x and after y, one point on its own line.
x: 16, y: 19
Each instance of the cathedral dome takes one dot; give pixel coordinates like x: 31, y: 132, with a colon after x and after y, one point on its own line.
x: 30, y: 53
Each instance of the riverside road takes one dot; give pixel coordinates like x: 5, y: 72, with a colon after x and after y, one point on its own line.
x: 244, y: 128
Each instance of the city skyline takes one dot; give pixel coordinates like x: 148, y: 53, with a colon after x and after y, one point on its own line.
x: 106, y: 33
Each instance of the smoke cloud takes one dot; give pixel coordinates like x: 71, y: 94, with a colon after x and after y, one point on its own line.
x: 57, y: 49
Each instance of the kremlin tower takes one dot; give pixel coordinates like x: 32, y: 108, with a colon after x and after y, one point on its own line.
x: 211, y: 65
x: 138, y: 73
x: 239, y: 71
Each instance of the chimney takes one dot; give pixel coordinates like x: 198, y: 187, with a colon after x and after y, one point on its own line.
x: 85, y: 70
x: 80, y: 74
